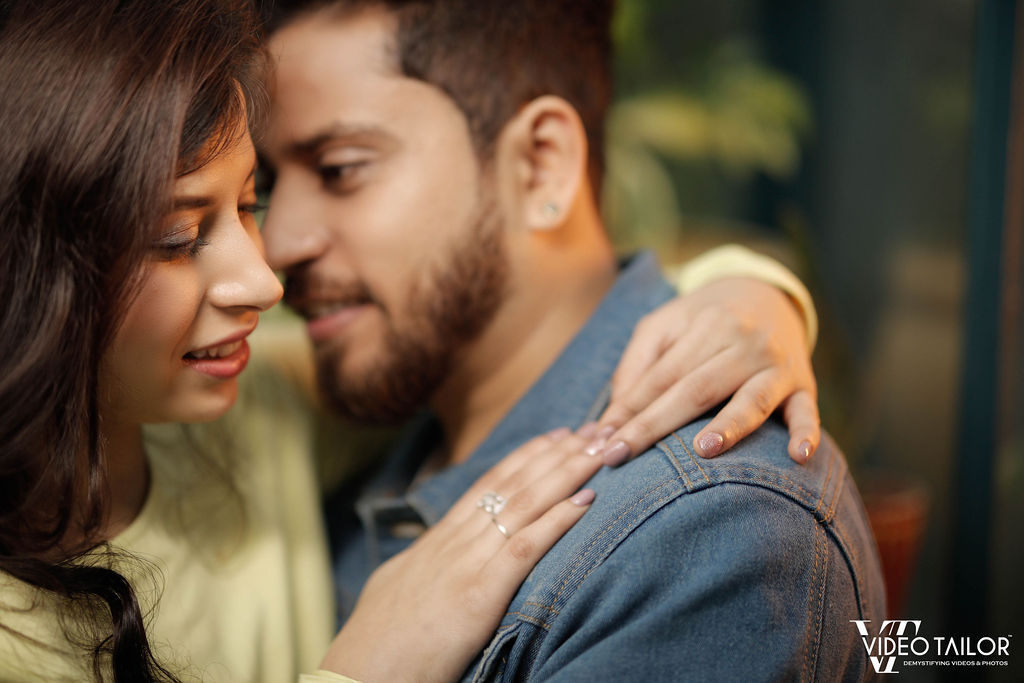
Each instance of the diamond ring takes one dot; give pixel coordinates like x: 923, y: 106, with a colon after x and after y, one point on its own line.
x: 492, y: 503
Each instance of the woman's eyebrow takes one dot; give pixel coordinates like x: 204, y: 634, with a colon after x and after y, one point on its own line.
x: 187, y: 202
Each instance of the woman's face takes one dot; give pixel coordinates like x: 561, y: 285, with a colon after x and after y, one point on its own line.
x: 182, y: 343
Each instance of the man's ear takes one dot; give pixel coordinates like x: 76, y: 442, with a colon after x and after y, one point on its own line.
x: 548, y: 148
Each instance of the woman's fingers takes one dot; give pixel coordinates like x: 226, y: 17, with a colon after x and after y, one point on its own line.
x: 706, y: 386
x: 749, y: 407
x: 530, y: 492
x: 651, y: 337
x: 516, y: 557
x: 801, y: 415
x: 693, y: 348
x: 524, y: 455
x: 532, y: 478
x: 531, y: 501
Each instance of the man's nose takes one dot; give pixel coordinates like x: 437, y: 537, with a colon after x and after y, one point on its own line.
x: 291, y: 232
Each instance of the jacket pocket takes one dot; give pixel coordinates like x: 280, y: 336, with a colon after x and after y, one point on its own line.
x: 503, y: 658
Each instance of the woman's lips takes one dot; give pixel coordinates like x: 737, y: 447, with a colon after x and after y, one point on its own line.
x: 224, y: 367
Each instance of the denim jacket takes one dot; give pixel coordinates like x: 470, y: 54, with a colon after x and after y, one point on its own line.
x: 745, y: 567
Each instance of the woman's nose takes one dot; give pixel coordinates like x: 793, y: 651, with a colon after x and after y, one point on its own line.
x: 244, y: 278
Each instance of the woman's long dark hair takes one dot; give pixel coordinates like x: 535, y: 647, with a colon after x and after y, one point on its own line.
x: 102, y: 105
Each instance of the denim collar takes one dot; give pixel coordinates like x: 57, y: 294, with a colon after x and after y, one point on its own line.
x: 572, y: 391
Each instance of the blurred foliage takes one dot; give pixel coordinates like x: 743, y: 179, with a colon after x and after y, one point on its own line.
x: 711, y: 105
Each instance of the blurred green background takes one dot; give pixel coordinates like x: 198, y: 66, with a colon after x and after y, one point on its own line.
x: 859, y: 142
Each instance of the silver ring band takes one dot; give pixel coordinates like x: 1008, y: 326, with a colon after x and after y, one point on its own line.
x: 501, y: 527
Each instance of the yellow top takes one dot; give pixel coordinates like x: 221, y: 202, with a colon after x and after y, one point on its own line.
x: 235, y: 577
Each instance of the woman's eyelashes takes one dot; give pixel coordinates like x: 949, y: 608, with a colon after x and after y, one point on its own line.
x: 252, y: 208
x: 180, y: 245
x: 187, y: 242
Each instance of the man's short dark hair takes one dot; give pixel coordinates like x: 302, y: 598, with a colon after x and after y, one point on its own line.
x: 493, y: 56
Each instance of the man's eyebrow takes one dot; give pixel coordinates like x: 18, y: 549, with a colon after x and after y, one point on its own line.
x: 310, y: 145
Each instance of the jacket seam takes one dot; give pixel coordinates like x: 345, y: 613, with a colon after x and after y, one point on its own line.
x: 584, y: 554
x: 683, y: 476
x: 810, y: 607
x: 686, y: 450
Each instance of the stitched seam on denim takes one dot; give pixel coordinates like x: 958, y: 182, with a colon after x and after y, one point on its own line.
x: 630, y: 529
x: 686, y: 450
x: 530, y: 619
x: 679, y: 467
x: 820, y: 553
x: 837, y: 492
x: 542, y: 606
x: 583, y: 554
x: 772, y: 481
x: 497, y: 641
x: 852, y: 565
x: 852, y: 559
x: 821, y: 599
x: 810, y: 614
x: 824, y: 487
x: 839, y: 533
x: 807, y: 496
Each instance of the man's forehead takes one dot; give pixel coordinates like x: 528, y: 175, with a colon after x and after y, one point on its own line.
x: 363, y: 40
x: 329, y: 72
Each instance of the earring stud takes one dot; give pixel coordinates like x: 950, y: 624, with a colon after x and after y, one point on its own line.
x: 551, y: 210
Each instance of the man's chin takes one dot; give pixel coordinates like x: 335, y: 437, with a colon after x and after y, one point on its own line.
x: 378, y: 385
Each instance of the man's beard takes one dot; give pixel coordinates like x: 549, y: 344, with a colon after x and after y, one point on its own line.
x: 449, y: 307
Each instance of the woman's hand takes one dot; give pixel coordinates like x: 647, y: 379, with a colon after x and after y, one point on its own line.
x: 427, y: 612
x: 734, y: 337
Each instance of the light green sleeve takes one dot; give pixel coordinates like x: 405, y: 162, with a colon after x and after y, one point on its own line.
x: 322, y: 676
x: 733, y: 260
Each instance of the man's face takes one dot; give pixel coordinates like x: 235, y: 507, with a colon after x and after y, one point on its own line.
x: 380, y: 216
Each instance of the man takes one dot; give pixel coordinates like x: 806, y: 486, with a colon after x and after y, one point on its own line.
x: 435, y: 211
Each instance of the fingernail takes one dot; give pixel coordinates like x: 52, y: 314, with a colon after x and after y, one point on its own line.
x: 587, y: 431
x: 584, y: 497
x: 558, y: 434
x: 616, y: 454
x: 710, y: 444
x: 600, y: 439
x: 805, y: 449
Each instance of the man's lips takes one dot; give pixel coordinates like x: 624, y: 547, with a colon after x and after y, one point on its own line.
x: 328, y: 306
x: 327, y: 323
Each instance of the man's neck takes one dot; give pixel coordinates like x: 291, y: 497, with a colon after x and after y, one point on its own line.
x: 532, y: 328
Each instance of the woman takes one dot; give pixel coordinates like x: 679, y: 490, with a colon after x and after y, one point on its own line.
x: 132, y: 276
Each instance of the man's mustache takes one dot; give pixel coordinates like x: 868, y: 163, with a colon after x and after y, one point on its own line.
x: 303, y: 290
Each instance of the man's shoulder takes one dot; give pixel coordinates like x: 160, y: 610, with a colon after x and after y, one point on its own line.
x: 737, y: 567
x: 669, y: 501
x: 672, y: 469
